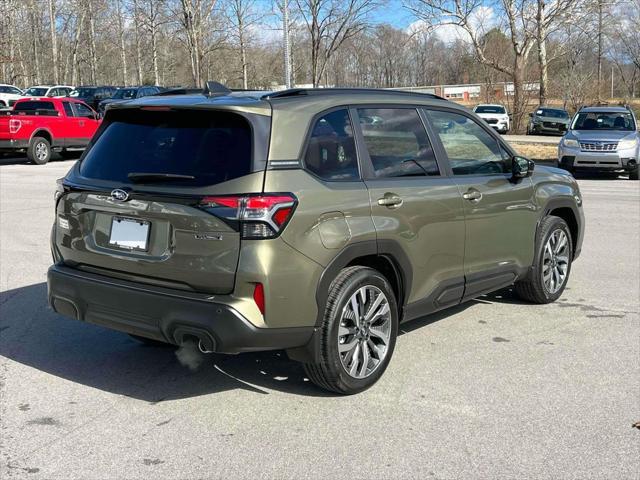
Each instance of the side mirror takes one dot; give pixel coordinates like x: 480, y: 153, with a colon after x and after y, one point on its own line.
x: 531, y: 114
x: 521, y: 167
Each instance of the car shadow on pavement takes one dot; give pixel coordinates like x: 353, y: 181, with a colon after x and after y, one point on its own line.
x: 34, y: 335
x: 21, y: 159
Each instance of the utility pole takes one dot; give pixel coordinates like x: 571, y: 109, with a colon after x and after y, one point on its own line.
x: 285, y: 41
x: 611, y: 82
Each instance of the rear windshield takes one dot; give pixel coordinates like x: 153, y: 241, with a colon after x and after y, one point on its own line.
x: 36, y: 91
x: 489, y: 109
x: 212, y: 147
x: 34, y: 105
x: 126, y: 93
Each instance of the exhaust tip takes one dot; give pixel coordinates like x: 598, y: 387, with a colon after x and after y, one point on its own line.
x: 202, y: 347
x: 197, y: 336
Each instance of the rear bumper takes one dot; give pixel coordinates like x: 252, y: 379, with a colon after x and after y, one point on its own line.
x: 9, y: 145
x: 162, y: 314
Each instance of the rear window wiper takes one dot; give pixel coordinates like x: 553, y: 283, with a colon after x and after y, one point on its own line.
x: 157, y: 177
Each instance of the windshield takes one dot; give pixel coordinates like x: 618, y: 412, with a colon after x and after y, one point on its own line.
x: 83, y: 92
x: 552, y: 113
x: 604, y: 121
x: 207, y: 147
x: 36, y: 92
x: 490, y: 109
x: 125, y: 93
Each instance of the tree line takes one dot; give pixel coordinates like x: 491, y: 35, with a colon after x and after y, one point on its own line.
x: 578, y: 50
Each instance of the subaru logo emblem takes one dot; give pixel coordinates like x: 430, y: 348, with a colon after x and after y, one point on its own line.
x: 119, y: 195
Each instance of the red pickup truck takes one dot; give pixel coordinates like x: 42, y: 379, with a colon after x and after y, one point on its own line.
x: 42, y: 125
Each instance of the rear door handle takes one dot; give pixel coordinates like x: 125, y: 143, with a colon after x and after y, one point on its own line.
x: 390, y: 200
x: 472, y: 195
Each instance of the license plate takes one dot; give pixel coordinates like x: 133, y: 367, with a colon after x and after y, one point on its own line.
x: 129, y: 233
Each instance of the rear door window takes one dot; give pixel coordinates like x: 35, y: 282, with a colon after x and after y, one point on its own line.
x: 212, y: 147
x: 397, y: 142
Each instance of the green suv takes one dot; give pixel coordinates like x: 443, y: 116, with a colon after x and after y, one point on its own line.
x: 314, y: 221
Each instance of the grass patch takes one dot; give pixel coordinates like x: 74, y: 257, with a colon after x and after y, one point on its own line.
x: 537, y: 152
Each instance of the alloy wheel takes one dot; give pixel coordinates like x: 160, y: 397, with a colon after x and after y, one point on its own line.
x: 364, y: 332
x: 555, y: 261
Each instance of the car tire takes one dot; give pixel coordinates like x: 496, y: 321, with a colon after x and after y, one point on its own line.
x: 39, y: 151
x: 553, y: 256
x: 355, y: 350
x: 633, y: 174
x: 150, y: 341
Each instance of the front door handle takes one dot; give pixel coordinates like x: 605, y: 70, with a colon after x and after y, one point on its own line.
x: 472, y: 195
x: 390, y: 200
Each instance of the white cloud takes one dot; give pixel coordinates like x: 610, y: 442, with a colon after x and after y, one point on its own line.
x: 482, y: 20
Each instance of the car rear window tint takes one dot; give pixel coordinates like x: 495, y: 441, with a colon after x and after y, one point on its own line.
x: 34, y: 105
x: 213, y: 147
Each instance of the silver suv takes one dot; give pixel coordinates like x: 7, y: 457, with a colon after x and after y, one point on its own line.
x: 601, y: 138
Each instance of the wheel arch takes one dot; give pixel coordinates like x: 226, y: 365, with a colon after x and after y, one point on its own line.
x: 386, y: 256
x: 44, y: 133
x: 567, y: 210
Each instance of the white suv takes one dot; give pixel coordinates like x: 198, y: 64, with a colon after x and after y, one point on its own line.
x: 8, y: 95
x: 495, y: 115
x: 48, y: 91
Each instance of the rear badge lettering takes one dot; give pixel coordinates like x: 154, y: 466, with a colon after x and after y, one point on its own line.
x: 208, y: 236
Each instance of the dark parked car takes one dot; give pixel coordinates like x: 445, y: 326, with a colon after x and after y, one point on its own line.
x: 92, y: 96
x: 545, y: 120
x: 128, y: 93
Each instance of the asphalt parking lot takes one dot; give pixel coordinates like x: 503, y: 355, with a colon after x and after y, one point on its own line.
x: 491, y: 389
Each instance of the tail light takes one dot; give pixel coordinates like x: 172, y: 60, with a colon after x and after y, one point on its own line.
x: 258, y: 216
x: 14, y: 125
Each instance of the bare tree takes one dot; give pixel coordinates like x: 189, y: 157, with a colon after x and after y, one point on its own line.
x: 194, y: 16
x: 123, y: 49
x: 54, y: 39
x: 243, y: 15
x: 518, y: 26
x: 549, y: 16
x: 330, y: 23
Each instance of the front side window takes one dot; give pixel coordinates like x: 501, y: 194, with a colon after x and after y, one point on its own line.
x: 82, y: 110
x: 397, y: 142
x: 470, y: 148
x: 331, y: 152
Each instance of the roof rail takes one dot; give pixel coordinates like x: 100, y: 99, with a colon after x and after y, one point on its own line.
x: 295, y: 92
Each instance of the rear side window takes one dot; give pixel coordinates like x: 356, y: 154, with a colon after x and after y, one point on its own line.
x: 397, y: 142
x: 67, y: 109
x: 213, y: 147
x: 331, y: 152
x: 34, y: 105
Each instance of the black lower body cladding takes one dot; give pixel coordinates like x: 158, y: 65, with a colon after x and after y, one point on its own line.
x: 162, y: 314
